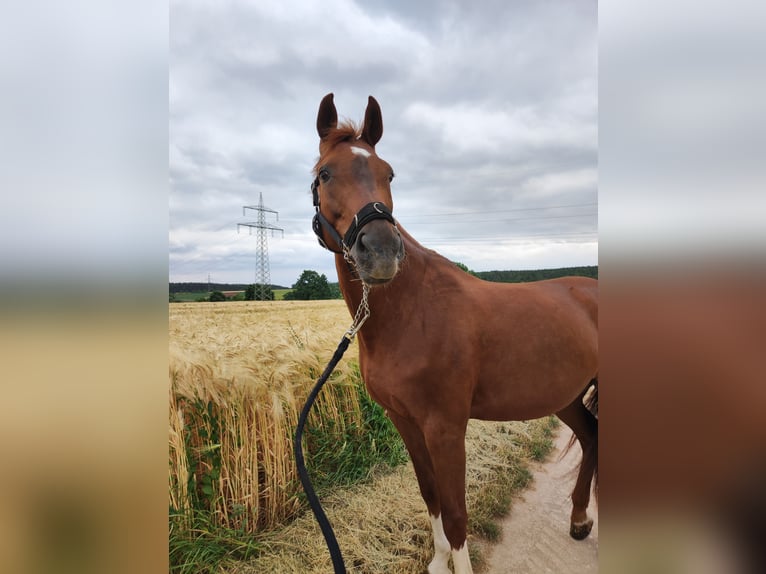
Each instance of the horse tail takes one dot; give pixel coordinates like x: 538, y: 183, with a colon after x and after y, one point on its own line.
x: 589, y: 399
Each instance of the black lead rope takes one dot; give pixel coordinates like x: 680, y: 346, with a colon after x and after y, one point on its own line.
x: 362, y: 314
x: 368, y: 213
x: 316, y: 507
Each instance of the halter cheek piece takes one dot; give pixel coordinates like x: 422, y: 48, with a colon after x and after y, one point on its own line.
x: 369, y: 212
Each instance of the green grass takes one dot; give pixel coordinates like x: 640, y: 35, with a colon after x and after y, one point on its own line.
x: 383, y: 521
x: 279, y: 294
x: 191, y: 297
x: 342, y: 457
x: 204, y: 548
x: 492, y: 500
x: 538, y: 449
x: 337, y: 455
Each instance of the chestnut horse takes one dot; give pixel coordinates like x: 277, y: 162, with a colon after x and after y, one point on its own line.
x: 442, y: 346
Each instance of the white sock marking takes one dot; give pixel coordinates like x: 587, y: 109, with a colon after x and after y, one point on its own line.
x: 441, y: 548
x: 360, y: 151
x: 461, y: 560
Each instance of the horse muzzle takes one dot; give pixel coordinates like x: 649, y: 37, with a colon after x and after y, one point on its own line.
x: 378, y: 252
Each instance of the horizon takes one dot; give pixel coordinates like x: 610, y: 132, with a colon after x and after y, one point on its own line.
x: 329, y: 279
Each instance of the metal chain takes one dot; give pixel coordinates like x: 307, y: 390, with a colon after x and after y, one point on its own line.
x: 363, y: 311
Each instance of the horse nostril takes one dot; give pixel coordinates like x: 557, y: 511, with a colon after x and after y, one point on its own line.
x: 361, y: 240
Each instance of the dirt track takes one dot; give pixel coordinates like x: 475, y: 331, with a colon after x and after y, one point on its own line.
x: 535, y: 537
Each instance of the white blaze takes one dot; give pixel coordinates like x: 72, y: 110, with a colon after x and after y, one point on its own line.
x: 360, y: 151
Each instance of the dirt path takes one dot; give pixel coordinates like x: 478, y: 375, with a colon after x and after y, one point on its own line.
x: 535, y: 537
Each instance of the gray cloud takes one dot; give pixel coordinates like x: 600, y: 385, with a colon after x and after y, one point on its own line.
x: 490, y: 120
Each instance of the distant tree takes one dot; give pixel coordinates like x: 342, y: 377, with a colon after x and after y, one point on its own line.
x: 310, y: 286
x: 217, y: 296
x: 250, y: 293
x: 464, y: 267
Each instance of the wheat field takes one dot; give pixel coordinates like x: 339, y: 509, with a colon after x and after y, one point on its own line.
x: 239, y: 373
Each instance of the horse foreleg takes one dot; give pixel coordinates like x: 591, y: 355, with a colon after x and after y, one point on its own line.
x: 421, y: 460
x: 585, y: 427
x: 446, y: 445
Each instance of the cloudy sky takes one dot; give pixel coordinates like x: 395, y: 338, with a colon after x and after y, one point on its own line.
x: 490, y: 122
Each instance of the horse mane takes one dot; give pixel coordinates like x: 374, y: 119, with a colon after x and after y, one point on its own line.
x: 345, y: 131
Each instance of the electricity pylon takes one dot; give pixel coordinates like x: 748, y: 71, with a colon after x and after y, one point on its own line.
x: 262, y: 273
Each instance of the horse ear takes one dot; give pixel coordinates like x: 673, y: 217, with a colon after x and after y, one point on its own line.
x: 373, y: 122
x: 327, y: 118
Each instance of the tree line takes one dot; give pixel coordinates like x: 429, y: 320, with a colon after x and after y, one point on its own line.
x: 537, y: 274
x: 199, y: 287
x: 314, y: 286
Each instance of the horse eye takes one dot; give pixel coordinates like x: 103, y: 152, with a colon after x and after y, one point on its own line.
x: 324, y: 175
x: 391, y: 177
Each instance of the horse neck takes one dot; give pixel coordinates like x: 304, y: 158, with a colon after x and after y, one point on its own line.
x: 393, y: 302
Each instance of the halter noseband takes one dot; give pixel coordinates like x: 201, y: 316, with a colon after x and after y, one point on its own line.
x: 370, y: 212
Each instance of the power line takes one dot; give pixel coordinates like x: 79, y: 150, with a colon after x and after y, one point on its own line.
x: 590, y: 204
x: 574, y: 236
x: 503, y: 220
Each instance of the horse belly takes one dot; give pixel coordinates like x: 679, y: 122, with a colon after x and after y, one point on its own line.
x: 515, y: 409
x: 534, y: 377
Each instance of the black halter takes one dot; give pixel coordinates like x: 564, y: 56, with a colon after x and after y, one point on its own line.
x: 369, y: 212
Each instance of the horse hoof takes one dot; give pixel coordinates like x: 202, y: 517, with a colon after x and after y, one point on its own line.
x: 581, y: 531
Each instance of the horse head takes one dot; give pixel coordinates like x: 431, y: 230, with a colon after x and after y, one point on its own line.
x: 352, y: 194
